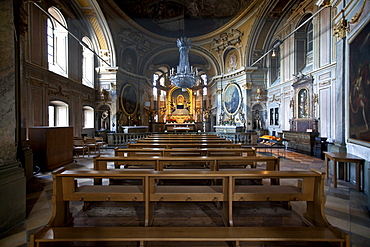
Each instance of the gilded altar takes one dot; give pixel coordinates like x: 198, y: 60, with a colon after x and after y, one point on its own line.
x: 303, y: 105
x: 180, y: 107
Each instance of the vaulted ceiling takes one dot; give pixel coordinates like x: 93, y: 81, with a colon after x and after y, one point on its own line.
x: 182, y: 18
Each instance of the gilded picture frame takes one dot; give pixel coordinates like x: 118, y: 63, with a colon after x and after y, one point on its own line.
x: 232, y: 99
x: 359, y: 88
x: 129, y: 100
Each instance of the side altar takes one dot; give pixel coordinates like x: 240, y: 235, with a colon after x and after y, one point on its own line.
x: 304, y: 124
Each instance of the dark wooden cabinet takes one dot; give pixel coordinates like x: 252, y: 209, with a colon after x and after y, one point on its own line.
x: 321, y: 146
x: 52, y: 146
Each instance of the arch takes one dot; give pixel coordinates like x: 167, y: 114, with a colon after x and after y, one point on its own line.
x: 101, y: 29
x: 57, y: 41
x: 168, y: 56
x: 88, y: 117
x: 58, y: 113
x: 103, y: 117
x: 87, y: 63
x: 303, y: 42
x: 274, y: 63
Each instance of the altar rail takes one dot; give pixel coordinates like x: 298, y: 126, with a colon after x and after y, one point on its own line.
x: 117, y: 139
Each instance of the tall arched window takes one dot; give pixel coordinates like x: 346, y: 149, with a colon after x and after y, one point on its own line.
x: 87, y: 63
x: 309, y: 53
x: 304, y: 46
x: 275, y: 64
x: 58, y: 114
x: 57, y: 42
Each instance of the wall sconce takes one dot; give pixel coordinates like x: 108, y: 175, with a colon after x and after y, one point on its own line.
x: 273, y: 53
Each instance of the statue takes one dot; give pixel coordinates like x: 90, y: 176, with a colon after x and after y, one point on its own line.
x: 257, y: 120
x: 104, y: 120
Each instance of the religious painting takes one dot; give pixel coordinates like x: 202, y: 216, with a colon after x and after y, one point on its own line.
x: 231, y: 99
x: 129, y: 60
x: 302, y: 103
x: 232, y: 61
x: 129, y: 100
x: 359, y: 86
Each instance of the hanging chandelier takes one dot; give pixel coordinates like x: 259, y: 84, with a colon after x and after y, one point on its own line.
x: 185, y: 76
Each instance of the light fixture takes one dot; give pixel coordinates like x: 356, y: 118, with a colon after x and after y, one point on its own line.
x: 273, y: 53
x: 185, y: 76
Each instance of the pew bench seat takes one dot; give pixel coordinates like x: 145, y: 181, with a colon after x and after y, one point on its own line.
x: 203, y: 234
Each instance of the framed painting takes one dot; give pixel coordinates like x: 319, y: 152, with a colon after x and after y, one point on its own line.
x: 359, y: 87
x: 232, y: 99
x: 129, y: 100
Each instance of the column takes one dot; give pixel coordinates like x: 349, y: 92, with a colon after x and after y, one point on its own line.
x: 13, y: 180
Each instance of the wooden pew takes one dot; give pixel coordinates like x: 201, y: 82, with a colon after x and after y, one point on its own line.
x: 191, y: 141
x: 158, y: 163
x: 184, y: 145
x: 188, y: 152
x: 184, y: 137
x: 185, y: 152
x: 310, y: 189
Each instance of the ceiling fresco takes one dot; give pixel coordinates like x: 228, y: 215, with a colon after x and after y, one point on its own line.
x: 182, y: 18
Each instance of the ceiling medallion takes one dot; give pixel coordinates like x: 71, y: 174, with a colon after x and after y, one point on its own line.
x: 185, y: 76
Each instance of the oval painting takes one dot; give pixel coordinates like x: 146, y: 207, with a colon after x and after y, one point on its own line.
x: 129, y: 102
x: 231, y: 99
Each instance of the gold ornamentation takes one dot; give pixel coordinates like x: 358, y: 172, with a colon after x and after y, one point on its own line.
x: 247, y: 85
x: 356, y: 17
x: 316, y: 103
x: 341, y: 28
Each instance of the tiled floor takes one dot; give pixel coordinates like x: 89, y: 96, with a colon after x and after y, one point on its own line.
x: 345, y: 208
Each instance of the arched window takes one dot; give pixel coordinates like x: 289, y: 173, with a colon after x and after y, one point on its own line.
x: 57, y: 42
x: 304, y: 46
x: 58, y: 114
x: 309, y: 53
x: 88, y: 117
x: 275, y: 64
x: 87, y: 63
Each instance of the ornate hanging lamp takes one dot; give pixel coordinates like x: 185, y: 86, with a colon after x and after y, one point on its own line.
x: 185, y: 76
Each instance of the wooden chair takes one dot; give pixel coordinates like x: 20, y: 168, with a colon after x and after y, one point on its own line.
x: 79, y: 147
x: 90, y: 142
x: 100, y: 142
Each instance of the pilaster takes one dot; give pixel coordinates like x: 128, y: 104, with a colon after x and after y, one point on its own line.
x: 339, y: 87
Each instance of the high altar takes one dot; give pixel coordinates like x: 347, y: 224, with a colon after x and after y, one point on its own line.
x: 180, y: 109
